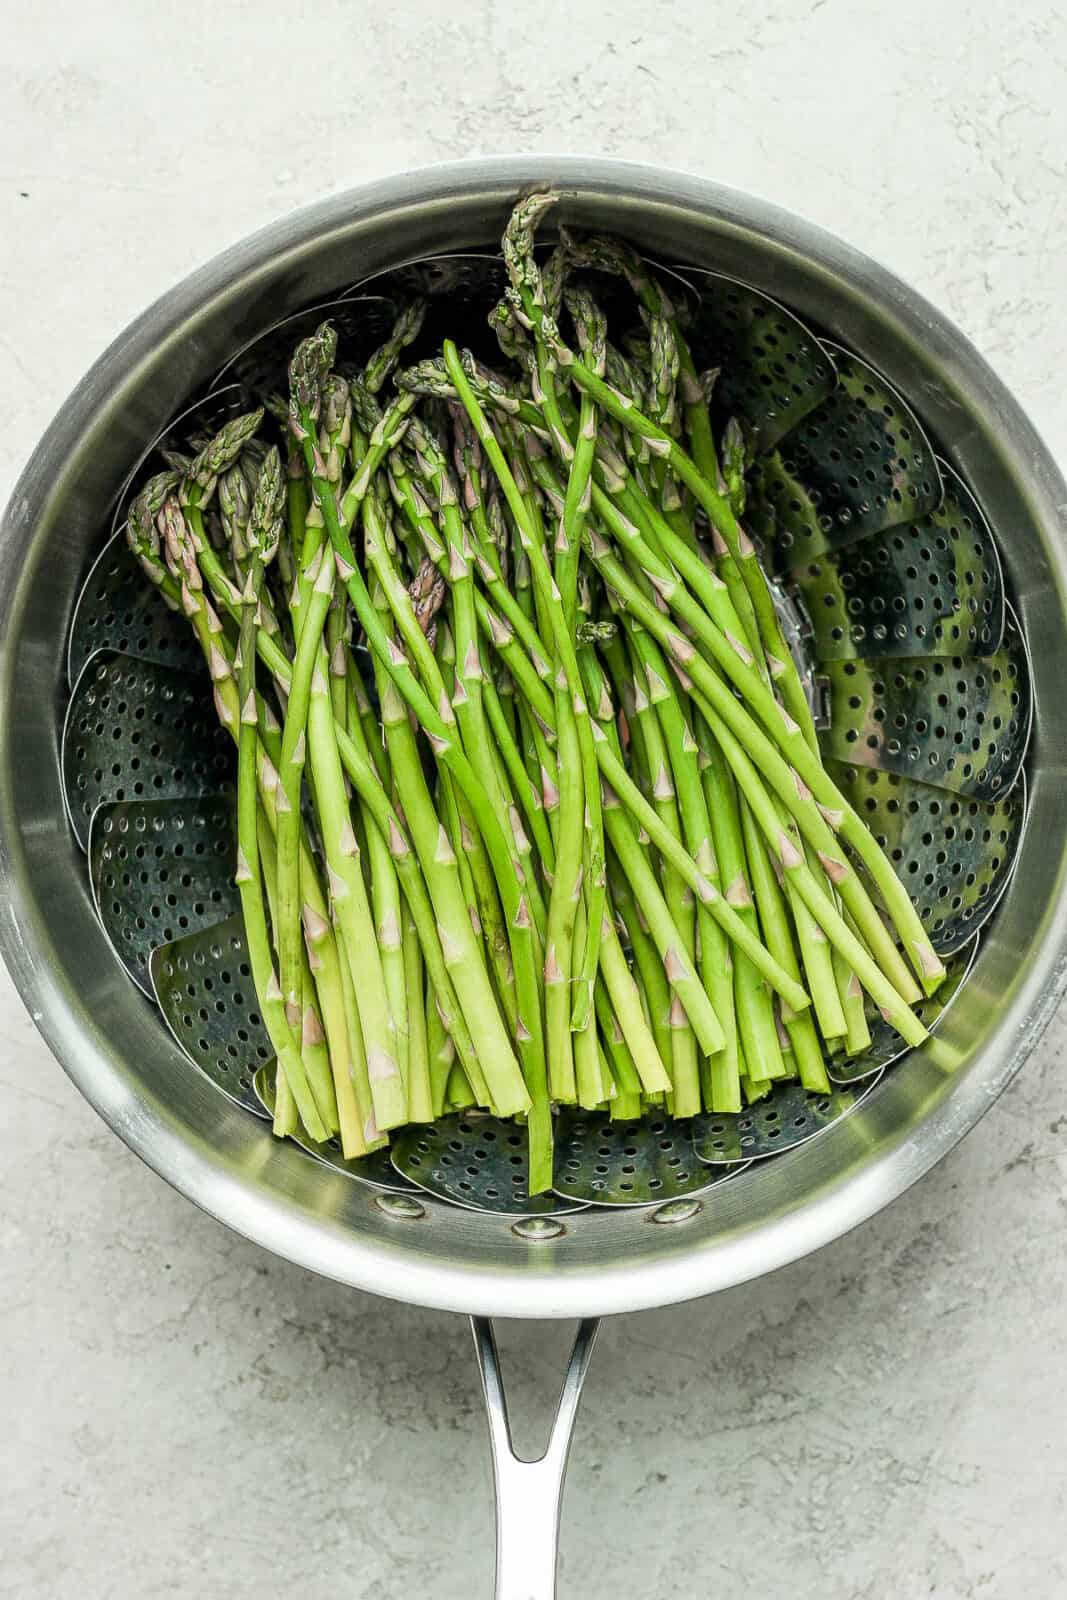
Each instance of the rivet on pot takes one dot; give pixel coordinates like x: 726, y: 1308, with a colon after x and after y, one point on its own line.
x: 402, y: 1207
x: 536, y: 1229
x: 677, y: 1210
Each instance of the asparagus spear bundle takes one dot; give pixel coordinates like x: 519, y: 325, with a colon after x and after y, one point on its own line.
x: 530, y: 806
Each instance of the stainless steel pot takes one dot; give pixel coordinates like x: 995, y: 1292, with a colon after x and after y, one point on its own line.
x: 107, y: 1036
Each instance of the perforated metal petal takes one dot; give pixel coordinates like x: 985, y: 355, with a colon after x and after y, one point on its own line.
x: 626, y: 1163
x: 203, y: 986
x: 932, y: 587
x: 858, y: 464
x: 463, y: 279
x: 886, y: 1044
x: 260, y: 367
x: 772, y: 369
x: 377, y: 1169
x: 961, y: 722
x: 160, y: 869
x: 788, y: 1116
x: 118, y: 609
x: 953, y: 853
x: 461, y: 290
x: 478, y: 1162
x: 135, y: 730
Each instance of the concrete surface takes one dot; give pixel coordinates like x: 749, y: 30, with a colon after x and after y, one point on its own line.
x: 183, y: 1415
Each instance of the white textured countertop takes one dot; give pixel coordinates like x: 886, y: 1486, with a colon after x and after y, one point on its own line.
x: 184, y: 1416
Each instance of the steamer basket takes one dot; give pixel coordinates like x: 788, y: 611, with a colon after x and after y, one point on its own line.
x: 106, y: 1032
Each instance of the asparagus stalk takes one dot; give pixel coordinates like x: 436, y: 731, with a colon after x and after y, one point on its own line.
x: 563, y: 907
x: 685, y: 1074
x: 348, y: 895
x: 626, y: 1102
x: 483, y: 904
x: 459, y: 945
x: 440, y: 1053
x: 757, y: 1038
x: 526, y: 792
x: 648, y: 968
x: 677, y: 963
x: 405, y: 331
x: 570, y: 702
x: 626, y: 1003
x: 264, y: 532
x: 778, y: 936
x: 716, y: 964
x: 528, y: 302
x: 420, y: 1092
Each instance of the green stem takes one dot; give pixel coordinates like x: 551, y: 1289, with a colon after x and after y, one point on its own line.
x: 626, y: 1004
x: 528, y: 796
x: 789, y: 734
x: 440, y: 1051
x: 389, y: 849
x: 420, y: 1092
x: 592, y: 1084
x: 573, y: 701
x: 563, y: 904
x: 681, y: 974
x: 788, y: 782
x: 778, y: 936
x: 648, y: 968
x: 461, y: 950
x: 250, y: 885
x: 627, y: 1101
x: 364, y: 942
x: 659, y: 782
x: 715, y: 961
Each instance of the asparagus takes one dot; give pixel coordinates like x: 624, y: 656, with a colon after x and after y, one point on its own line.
x: 461, y: 952
x: 405, y: 331
x: 777, y: 932
x: 787, y: 733
x: 309, y: 726
x: 440, y: 1053
x: 365, y: 942
x: 181, y: 560
x: 659, y: 784
x: 716, y: 506
x: 389, y: 657
x: 589, y: 853
x: 528, y: 300
x: 756, y: 1039
x: 263, y: 534
x: 716, y: 963
x: 420, y: 1095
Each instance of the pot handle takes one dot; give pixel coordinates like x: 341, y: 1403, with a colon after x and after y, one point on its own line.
x: 529, y: 1493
